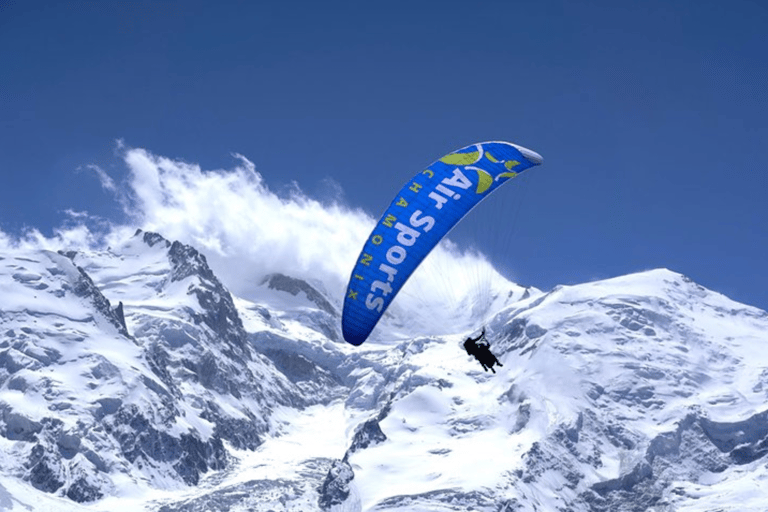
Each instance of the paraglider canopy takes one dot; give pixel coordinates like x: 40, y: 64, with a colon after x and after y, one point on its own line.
x: 420, y: 215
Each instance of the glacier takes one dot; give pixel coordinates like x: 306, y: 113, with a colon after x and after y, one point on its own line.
x: 131, y: 378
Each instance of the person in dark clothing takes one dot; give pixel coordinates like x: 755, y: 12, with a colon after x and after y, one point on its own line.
x: 481, y: 350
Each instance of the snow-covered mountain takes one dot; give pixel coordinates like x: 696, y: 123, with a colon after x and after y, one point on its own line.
x: 131, y: 379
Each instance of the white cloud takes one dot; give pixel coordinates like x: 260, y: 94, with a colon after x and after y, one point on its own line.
x: 245, y: 230
x: 107, y: 183
x: 74, y: 214
x: 6, y: 242
x: 72, y: 237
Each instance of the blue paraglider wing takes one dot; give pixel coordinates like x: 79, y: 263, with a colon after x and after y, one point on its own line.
x: 421, y: 214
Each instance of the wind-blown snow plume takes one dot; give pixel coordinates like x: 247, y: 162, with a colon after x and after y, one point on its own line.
x: 246, y: 230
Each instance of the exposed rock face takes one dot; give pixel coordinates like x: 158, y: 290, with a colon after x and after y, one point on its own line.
x: 335, y: 489
x: 162, y: 401
x: 296, y: 286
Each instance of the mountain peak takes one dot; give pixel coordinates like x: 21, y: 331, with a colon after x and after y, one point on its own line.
x: 151, y: 239
x: 628, y: 393
x: 294, y: 286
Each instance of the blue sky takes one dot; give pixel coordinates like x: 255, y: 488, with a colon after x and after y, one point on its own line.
x: 650, y: 116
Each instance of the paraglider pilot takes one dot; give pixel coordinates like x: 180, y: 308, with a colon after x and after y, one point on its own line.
x: 481, y: 350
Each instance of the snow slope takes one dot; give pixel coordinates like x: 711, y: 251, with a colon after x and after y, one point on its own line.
x: 624, y: 394
x: 642, y: 392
